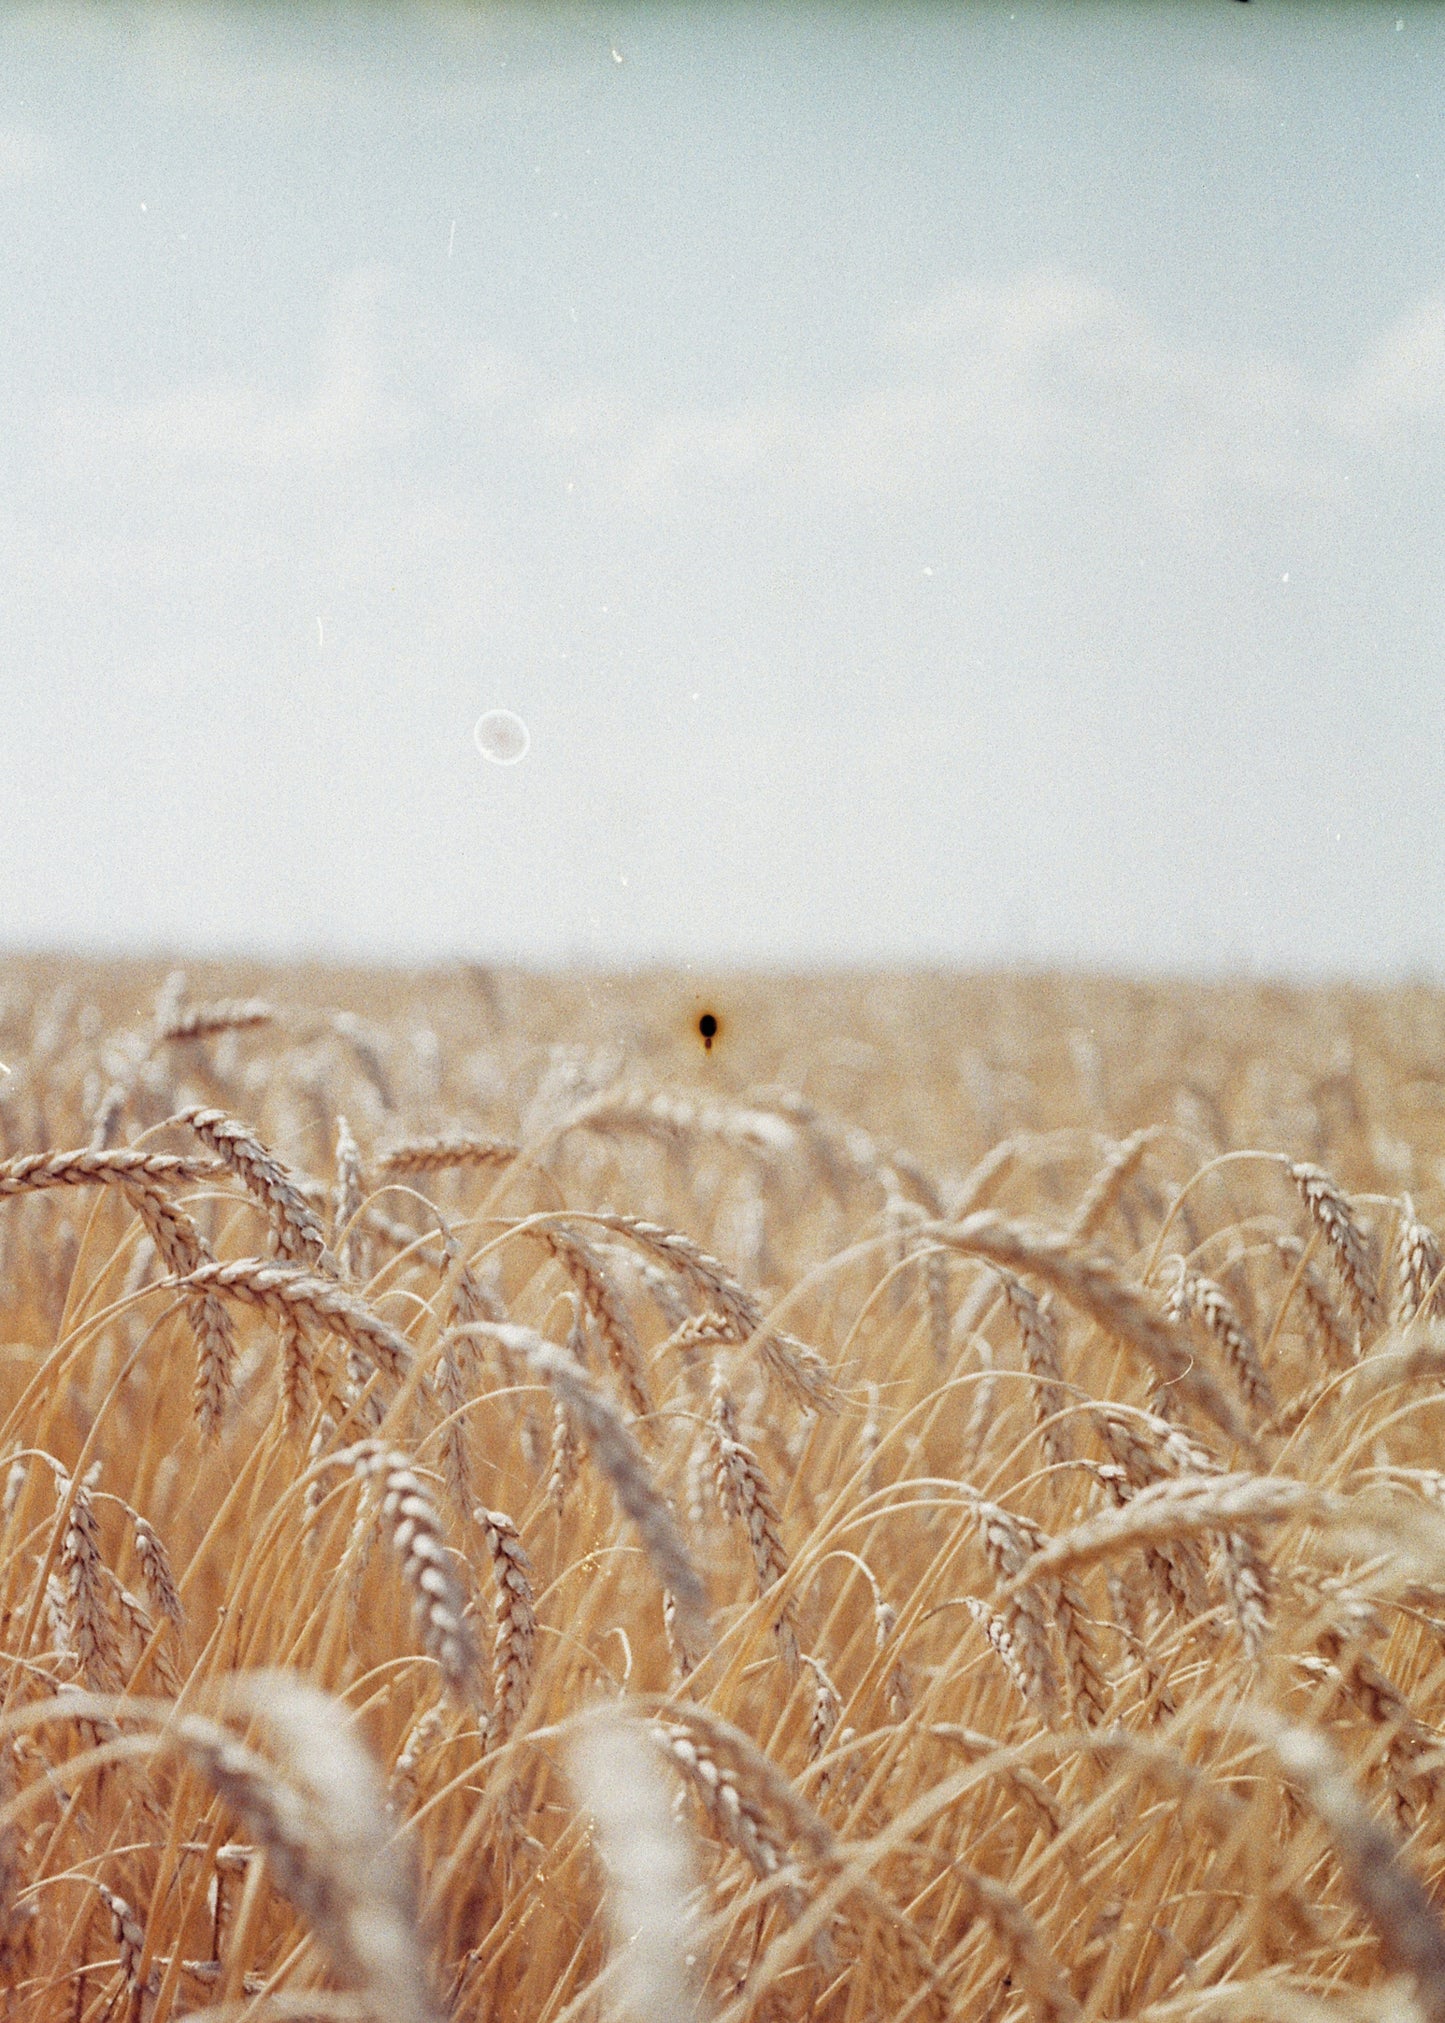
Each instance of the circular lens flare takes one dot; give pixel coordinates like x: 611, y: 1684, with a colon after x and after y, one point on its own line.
x: 502, y: 737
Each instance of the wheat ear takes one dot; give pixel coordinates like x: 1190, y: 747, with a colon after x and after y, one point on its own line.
x: 130, y: 1932
x: 1095, y: 1285
x: 1393, y: 1899
x: 1323, y: 1325
x: 1109, y: 1182
x: 287, y: 1291
x: 649, y: 1868
x: 296, y: 1226
x: 616, y: 1452
x: 798, y: 1368
x: 324, y: 1832
x: 90, y: 1630
x: 1196, y: 1295
x: 1039, y: 1338
x: 223, y: 1015
x: 1181, y: 1508
x: 416, y: 1537
x: 516, y: 1620
x: 605, y: 1305
x: 743, y: 1492
x: 178, y: 1243
x: 346, y: 1198
x: 437, y: 1155
x: 1335, y: 1220
x: 1421, y: 1269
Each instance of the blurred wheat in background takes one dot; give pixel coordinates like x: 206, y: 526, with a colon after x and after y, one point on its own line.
x: 929, y: 1506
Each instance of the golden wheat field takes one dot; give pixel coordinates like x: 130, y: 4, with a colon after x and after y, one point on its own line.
x: 931, y: 1505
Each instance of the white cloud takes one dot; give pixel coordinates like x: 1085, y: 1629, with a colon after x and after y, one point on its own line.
x: 276, y: 67
x: 1008, y: 386
x: 353, y: 408
x: 25, y: 156
x: 1400, y: 383
x: 1011, y: 382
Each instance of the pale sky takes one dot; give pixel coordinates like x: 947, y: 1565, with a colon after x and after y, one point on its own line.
x: 949, y: 484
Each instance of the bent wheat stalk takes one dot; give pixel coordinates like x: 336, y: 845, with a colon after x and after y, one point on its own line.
x: 614, y: 1448
x: 285, y: 1292
x: 1096, y: 1286
x: 1399, y: 1908
x: 322, y: 1825
x: 298, y: 1231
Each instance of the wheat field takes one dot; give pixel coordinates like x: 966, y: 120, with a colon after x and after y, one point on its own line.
x: 929, y: 1503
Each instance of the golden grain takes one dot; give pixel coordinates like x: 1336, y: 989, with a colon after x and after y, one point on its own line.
x: 1079, y: 1479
